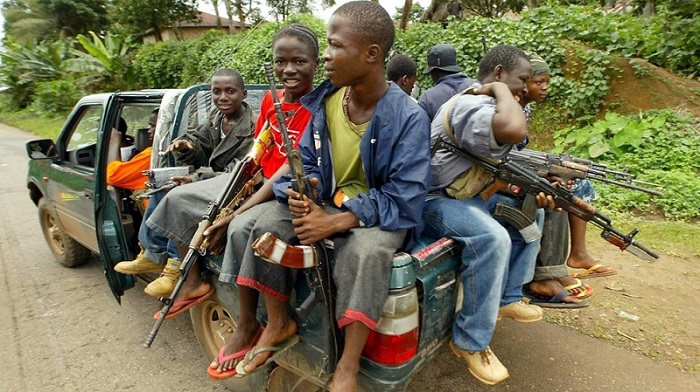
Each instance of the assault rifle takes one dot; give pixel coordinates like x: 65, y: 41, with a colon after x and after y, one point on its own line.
x: 320, y: 280
x: 232, y: 194
x: 509, y: 172
x: 568, y: 167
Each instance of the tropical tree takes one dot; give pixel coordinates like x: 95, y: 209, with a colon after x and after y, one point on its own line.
x: 410, y: 12
x: 35, y: 20
x: 103, y: 64
x: 25, y: 66
x: 138, y: 16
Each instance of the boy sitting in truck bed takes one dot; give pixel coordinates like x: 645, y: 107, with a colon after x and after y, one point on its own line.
x: 212, y: 147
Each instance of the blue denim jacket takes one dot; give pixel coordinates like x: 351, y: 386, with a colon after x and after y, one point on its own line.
x: 395, y: 152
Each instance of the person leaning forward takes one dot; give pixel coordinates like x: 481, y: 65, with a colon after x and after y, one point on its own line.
x: 378, y: 157
x: 488, y: 121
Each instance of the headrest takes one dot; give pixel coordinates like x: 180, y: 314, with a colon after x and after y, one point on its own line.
x: 141, y: 139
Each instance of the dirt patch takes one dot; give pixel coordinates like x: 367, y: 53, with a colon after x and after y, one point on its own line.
x: 639, y: 85
x: 662, y: 294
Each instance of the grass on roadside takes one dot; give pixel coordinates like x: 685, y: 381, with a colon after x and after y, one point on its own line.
x: 32, y: 122
x: 674, y: 238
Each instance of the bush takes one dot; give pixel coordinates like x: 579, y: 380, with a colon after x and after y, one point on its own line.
x: 56, y: 97
x: 657, y: 146
x: 161, y: 65
x: 247, y: 53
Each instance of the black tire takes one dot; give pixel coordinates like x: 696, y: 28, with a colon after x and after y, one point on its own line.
x: 67, y: 251
x: 213, y: 323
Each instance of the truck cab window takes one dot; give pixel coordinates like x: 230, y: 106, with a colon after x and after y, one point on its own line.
x: 83, y: 138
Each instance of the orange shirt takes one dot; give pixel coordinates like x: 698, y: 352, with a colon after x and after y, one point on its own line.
x: 128, y: 175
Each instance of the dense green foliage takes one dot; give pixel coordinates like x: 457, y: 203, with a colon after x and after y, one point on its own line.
x: 138, y: 16
x: 670, y: 40
x: 656, y: 146
x: 162, y: 64
x: 33, y: 20
x: 578, y: 43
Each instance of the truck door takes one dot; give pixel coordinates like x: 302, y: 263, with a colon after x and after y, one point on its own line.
x: 116, y: 225
x: 73, y: 187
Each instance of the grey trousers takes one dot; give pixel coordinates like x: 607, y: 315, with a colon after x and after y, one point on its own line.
x: 361, y: 266
x: 238, y: 233
x: 179, y: 213
x: 551, y: 261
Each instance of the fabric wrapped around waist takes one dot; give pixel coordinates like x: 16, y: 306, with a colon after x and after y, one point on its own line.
x: 273, y: 250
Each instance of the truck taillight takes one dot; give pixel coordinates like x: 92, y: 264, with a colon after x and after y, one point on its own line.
x: 395, y: 340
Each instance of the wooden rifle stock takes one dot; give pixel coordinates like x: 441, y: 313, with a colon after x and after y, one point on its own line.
x: 320, y: 281
x: 510, y: 172
x: 231, y: 195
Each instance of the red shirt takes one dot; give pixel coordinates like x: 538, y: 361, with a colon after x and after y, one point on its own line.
x: 296, y: 118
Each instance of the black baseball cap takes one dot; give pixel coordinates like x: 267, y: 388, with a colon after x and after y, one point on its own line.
x: 444, y: 57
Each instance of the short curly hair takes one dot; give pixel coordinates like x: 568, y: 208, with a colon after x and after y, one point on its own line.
x: 371, y: 22
x: 231, y: 73
x: 400, y: 65
x: 505, y: 55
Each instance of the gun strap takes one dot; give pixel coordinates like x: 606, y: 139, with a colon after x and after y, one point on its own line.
x: 273, y: 250
x: 473, y: 180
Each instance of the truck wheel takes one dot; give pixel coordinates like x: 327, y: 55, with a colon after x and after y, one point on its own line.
x: 66, y: 250
x: 213, y: 324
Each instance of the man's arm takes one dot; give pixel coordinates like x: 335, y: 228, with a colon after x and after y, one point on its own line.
x: 115, y: 142
x: 509, y: 124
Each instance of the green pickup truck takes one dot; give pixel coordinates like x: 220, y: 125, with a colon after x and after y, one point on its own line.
x: 81, y: 215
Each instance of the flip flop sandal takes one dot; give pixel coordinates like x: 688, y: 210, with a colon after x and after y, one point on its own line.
x: 591, y: 272
x: 276, y: 350
x: 211, y: 372
x: 183, y: 306
x: 556, y: 301
x: 587, y: 289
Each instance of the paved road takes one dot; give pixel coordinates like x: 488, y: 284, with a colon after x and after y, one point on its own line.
x: 61, y: 330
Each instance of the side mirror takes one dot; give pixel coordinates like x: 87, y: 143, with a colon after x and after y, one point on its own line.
x: 42, y: 149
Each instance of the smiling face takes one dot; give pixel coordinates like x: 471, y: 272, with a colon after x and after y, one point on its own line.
x: 517, y: 78
x: 295, y: 66
x: 345, y: 55
x: 537, y: 88
x: 227, y: 92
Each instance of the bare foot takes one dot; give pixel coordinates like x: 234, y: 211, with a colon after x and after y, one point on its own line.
x: 550, y: 288
x: 190, y: 290
x: 273, y: 335
x: 345, y: 377
x: 243, y: 337
x: 585, y: 261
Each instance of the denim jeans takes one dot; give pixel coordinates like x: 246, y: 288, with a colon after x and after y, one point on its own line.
x: 157, y: 247
x: 496, y: 262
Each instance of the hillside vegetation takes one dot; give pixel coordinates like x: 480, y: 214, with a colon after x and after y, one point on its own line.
x: 609, y: 100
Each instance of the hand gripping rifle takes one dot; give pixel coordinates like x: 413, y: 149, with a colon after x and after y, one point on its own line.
x: 231, y: 195
x: 510, y: 172
x: 320, y: 278
x: 568, y: 168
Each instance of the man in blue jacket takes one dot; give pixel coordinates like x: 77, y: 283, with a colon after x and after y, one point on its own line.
x: 367, y: 151
x: 447, y: 76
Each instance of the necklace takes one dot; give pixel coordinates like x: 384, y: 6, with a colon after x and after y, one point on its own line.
x: 356, y: 129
